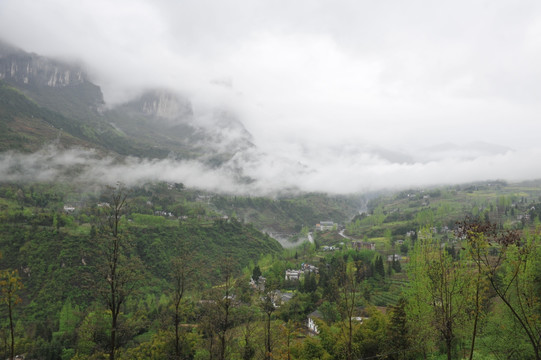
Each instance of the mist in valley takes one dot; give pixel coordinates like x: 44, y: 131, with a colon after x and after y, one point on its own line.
x: 333, y: 97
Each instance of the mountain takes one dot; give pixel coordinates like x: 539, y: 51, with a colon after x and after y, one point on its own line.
x: 48, y: 100
x: 56, y: 85
x: 163, y: 118
x: 26, y: 126
x: 466, y: 151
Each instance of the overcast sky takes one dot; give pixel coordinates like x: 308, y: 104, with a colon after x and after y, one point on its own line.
x: 363, y: 93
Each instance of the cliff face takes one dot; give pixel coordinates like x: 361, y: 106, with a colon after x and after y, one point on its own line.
x: 164, y: 104
x: 60, y: 86
x: 158, y: 123
x: 31, y: 69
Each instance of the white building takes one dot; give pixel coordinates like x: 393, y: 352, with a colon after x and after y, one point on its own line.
x: 312, y: 326
x: 325, y: 225
x: 293, y: 274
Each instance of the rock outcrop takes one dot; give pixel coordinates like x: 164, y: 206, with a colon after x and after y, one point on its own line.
x: 19, y: 67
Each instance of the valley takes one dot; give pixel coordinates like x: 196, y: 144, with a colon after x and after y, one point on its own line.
x: 158, y: 229
x: 52, y: 236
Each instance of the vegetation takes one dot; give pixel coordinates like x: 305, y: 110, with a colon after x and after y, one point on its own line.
x: 164, y: 272
x: 159, y: 271
x: 288, y: 214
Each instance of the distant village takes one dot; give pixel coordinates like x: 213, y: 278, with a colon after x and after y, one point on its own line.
x: 280, y: 297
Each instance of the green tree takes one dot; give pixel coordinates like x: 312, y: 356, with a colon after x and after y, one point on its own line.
x: 398, y: 332
x: 247, y: 316
x: 68, y: 321
x: 475, y: 249
x: 288, y: 330
x: 378, y: 267
x: 92, y: 334
x: 442, y: 283
x: 309, y: 283
x: 425, y: 218
x: 312, y: 350
x: 256, y: 273
x: 371, y: 337
x: 329, y: 312
x: 396, y: 265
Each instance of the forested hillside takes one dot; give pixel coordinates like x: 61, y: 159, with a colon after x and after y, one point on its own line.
x: 28, y: 127
x: 52, y: 236
x: 453, y: 271
x: 44, y: 101
x: 289, y: 214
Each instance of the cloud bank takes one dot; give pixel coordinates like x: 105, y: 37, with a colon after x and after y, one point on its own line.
x: 265, y: 175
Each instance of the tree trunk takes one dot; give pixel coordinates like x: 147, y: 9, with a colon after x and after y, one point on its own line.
x: 474, y: 333
x: 517, y: 316
x: 268, y: 338
x: 177, y: 340
x: 350, y: 339
x: 12, y: 332
x: 113, y: 308
x: 224, y: 328
x: 113, y: 338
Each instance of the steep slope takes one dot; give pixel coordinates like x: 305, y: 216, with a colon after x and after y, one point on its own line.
x: 59, y: 94
x: 56, y: 85
x: 157, y: 124
x: 25, y: 126
x: 166, y: 119
x: 287, y: 215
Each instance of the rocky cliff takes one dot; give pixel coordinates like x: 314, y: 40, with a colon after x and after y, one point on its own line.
x: 58, y: 85
x: 17, y: 66
x: 156, y: 124
x: 164, y: 104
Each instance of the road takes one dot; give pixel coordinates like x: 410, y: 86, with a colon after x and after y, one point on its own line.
x: 341, y: 233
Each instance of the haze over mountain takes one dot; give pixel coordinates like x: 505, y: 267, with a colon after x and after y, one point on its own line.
x: 258, y: 97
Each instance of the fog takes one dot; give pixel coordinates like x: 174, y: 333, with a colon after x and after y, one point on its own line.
x: 264, y: 175
x: 339, y: 96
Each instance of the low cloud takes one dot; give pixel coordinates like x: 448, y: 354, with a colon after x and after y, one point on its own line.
x: 303, y: 72
x: 255, y: 173
x: 339, y: 96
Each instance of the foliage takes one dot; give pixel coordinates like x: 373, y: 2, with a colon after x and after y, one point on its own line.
x: 440, y: 291
x: 10, y: 285
x: 512, y: 271
x: 58, y: 256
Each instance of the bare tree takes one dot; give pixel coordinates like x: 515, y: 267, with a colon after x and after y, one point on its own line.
x: 348, y: 302
x: 289, y: 329
x: 510, y: 263
x: 119, y: 269
x: 10, y: 284
x: 225, y: 322
x: 246, y: 315
x: 217, y: 319
x: 208, y: 325
x: 268, y: 307
x: 181, y: 274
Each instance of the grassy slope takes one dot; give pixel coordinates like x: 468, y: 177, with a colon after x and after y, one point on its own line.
x: 289, y: 214
x: 25, y: 126
x: 57, y: 262
x: 29, y: 120
x: 409, y: 210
